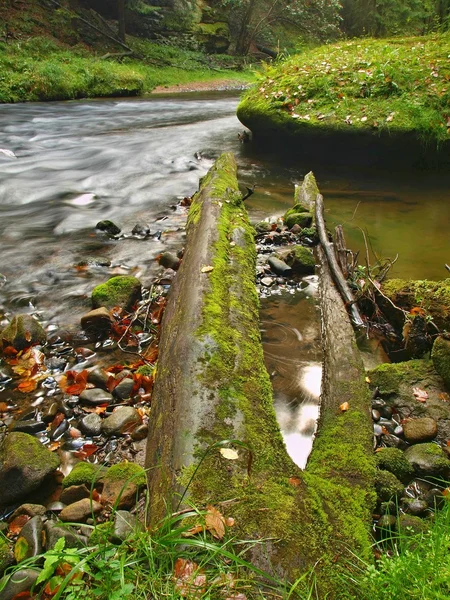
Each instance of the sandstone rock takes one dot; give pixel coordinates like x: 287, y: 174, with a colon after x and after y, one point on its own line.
x: 420, y: 430
x: 123, y: 420
x: 81, y: 510
x: 23, y: 331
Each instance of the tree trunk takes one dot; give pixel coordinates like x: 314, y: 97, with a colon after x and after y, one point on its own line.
x: 121, y: 19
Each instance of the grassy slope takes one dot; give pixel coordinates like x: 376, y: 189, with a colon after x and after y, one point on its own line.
x: 397, y: 85
x: 44, y: 58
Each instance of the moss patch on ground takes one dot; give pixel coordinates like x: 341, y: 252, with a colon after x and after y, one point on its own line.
x: 375, y: 87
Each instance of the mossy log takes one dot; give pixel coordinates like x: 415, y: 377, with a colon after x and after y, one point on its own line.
x: 211, y: 385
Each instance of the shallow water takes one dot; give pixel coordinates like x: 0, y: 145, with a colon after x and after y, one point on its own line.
x: 129, y: 161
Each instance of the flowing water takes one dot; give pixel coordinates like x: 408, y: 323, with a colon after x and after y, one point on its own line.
x: 129, y: 161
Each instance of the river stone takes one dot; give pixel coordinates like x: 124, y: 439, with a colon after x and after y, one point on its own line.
x: 169, y: 261
x: 53, y: 532
x: 428, y: 460
x: 122, y: 291
x: 24, y: 464
x: 121, y: 485
x: 124, y: 525
x: 108, y: 227
x: 412, y: 525
x: 386, y: 522
x: 279, y: 267
x: 20, y: 581
x: 79, y: 511
x: 91, y: 424
x: 440, y: 355
x: 387, y: 486
x: 420, y: 430
x: 124, y: 388
x: 303, y: 219
x: 31, y: 510
x: 299, y: 258
x: 140, y: 433
x: 97, y: 320
x: 98, y: 377
x: 394, y: 461
x: 30, y: 426
x: 23, y: 331
x: 267, y: 281
x: 95, y: 396
x: 29, y: 542
x: 414, y: 506
x: 263, y: 227
x: 73, y: 493
x: 123, y: 420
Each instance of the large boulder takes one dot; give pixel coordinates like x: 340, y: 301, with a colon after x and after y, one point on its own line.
x: 428, y: 460
x: 24, y: 464
x: 23, y: 331
x: 122, y: 291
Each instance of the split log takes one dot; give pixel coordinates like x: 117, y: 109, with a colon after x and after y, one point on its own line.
x: 211, y: 386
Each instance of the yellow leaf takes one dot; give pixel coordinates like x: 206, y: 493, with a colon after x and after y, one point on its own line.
x: 344, y: 406
x: 367, y: 379
x: 215, y: 522
x: 207, y: 269
x: 229, y: 453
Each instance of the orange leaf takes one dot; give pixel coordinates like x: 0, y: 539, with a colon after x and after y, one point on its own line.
x: 53, y: 446
x: 9, y: 351
x: 420, y: 395
x: 295, y: 481
x: 193, y: 531
x: 344, y: 406
x: 29, y: 385
x: 215, y: 522
x: 16, y: 524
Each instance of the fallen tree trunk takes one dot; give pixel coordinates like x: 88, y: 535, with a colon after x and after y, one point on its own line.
x: 212, y: 385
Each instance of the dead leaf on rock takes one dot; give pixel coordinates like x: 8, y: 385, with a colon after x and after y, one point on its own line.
x: 215, y: 522
x: 295, y: 481
x: 420, y: 395
x: 229, y: 453
x: 344, y: 406
x: 207, y: 269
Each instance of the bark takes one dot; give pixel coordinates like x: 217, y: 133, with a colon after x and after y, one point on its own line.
x: 121, y: 19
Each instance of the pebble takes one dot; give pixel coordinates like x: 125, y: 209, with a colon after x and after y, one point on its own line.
x: 124, y: 388
x: 98, y: 377
x: 267, y: 281
x: 420, y: 430
x: 55, y: 507
x: 140, y: 433
x: 91, y: 424
x: 414, y: 506
x: 386, y: 522
x: 95, y: 397
x: 385, y: 412
x: 31, y: 533
x: 79, y: 511
x: 74, y: 493
x: 29, y: 426
x: 376, y: 415
x: 123, y: 420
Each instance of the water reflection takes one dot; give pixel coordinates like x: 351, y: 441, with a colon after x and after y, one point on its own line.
x: 291, y: 341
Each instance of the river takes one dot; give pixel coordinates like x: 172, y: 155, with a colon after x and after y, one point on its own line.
x: 130, y: 161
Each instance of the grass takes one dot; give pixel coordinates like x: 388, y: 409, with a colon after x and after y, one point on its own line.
x: 417, y: 568
x: 42, y: 69
x: 399, y: 85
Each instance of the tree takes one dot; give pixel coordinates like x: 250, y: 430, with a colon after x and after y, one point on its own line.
x: 121, y: 19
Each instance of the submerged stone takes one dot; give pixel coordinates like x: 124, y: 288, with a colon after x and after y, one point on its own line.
x: 108, y: 227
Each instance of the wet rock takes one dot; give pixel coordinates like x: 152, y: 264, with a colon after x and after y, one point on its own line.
x: 29, y: 542
x: 440, y: 355
x: 97, y: 321
x: 279, y: 267
x: 55, y: 507
x: 295, y: 229
x: 414, y: 506
x: 263, y: 227
x: 81, y: 510
x: 412, y: 525
x: 124, y: 525
x: 299, y: 258
x: 140, y: 433
x: 20, y: 581
x: 267, y: 281
x: 392, y: 441
x: 387, y: 425
x: 95, y: 396
x: 169, y: 261
x: 23, y: 331
x: 434, y: 498
x: 378, y: 403
x: 53, y: 532
x: 6, y: 555
x: 388, y: 508
x: 377, y: 429
x: 24, y: 464
x: 108, y: 227
x: 74, y: 493
x: 50, y: 412
x: 91, y: 424
x: 141, y: 230
x: 122, y: 483
x: 56, y: 363
x: 386, y: 411
x: 84, y: 473
x: 387, y: 522
x: 31, y: 510
x: 122, y: 291
x: 428, y: 460
x: 59, y: 430
x: 376, y: 415
x: 420, y: 430
x: 387, y: 486
x: 123, y: 420
x: 30, y: 426
x: 124, y: 388
x: 98, y: 377
x: 394, y: 461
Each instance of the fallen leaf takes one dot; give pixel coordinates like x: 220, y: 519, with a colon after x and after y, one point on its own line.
x: 239, y: 596
x: 193, y: 531
x: 21, y: 548
x: 367, y: 379
x: 189, y: 579
x: 16, y: 524
x: 344, y: 406
x: 207, y: 269
x: 229, y: 453
x: 215, y: 522
x: 420, y: 395
x: 29, y: 385
x: 295, y: 481
x: 53, y: 446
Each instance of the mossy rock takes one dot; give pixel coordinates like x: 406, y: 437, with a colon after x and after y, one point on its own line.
x: 101, y: 533
x: 23, y: 331
x: 6, y: 555
x: 126, y: 472
x: 83, y: 473
x: 303, y: 219
x: 388, y: 486
x: 213, y: 37
x: 428, y: 460
x: 146, y: 370
x: 409, y: 525
x: 122, y: 291
x: 300, y: 259
x: 388, y: 377
x: 394, y: 461
x: 263, y: 227
x: 24, y: 465
x: 440, y: 356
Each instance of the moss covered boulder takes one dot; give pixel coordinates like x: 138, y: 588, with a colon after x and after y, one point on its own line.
x: 300, y: 259
x: 122, y: 291
x: 83, y: 473
x: 24, y: 465
x: 394, y: 461
x: 23, y: 331
x: 387, y: 486
x: 121, y: 485
x: 214, y: 38
x: 428, y: 460
x: 440, y: 355
x: 296, y: 217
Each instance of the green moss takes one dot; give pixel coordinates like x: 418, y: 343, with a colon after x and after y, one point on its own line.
x: 147, y: 370
x: 294, y: 218
x: 388, y: 377
x: 23, y: 447
x: 101, y: 533
x: 122, y: 291
x: 6, y: 555
x: 394, y: 461
x: 388, y: 486
x: 126, y: 471
x: 440, y: 355
x: 83, y: 473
